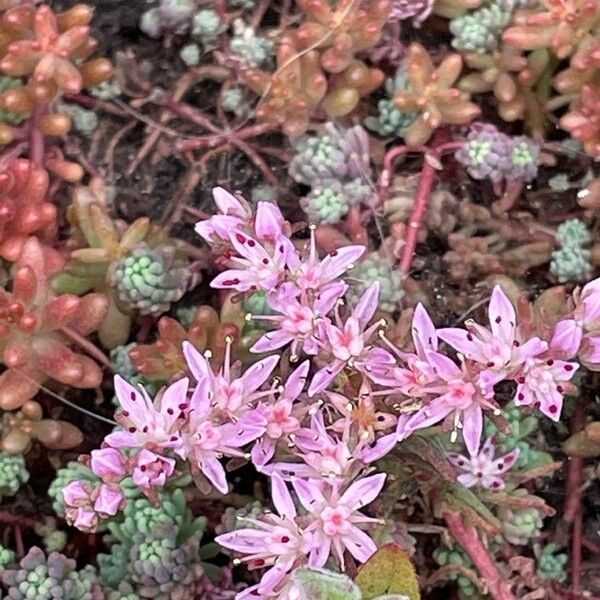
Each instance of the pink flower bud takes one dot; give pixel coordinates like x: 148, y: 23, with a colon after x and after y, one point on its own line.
x: 108, y: 464
x: 109, y: 500
x: 84, y: 518
x: 152, y: 469
x: 77, y: 494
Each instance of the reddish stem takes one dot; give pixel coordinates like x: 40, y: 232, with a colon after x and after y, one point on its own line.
x: 466, y: 536
x: 19, y: 542
x: 36, y: 137
x: 210, y: 141
x: 189, y: 113
x: 9, y: 519
x: 573, y: 512
x: 385, y: 180
x: 87, y: 345
x: 428, y: 175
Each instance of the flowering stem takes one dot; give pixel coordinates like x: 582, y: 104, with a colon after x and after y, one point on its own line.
x: 428, y: 175
x: 466, y: 536
x: 573, y: 513
x: 36, y: 137
x: 426, y: 181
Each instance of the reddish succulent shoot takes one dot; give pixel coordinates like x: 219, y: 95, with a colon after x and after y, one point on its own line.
x: 34, y: 349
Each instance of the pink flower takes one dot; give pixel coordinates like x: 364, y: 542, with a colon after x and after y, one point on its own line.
x: 274, y: 541
x: 255, y: 267
x: 588, y: 305
x: 108, y: 464
x: 483, y: 468
x: 152, y: 470
x: 79, y: 499
x: 146, y: 423
x: 336, y: 518
x: 206, y: 441
x: 500, y: 349
x: 324, y: 455
x: 234, y: 214
x: 230, y: 394
x: 461, y: 395
x: 109, y: 500
x: 364, y: 419
x: 316, y: 275
x: 297, y: 321
x: 543, y: 383
x: 279, y: 419
x: 419, y: 10
x: 269, y: 223
x: 348, y: 343
x: 420, y: 372
x: 566, y: 339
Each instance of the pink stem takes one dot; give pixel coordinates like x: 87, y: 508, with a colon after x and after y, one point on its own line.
x: 36, y: 137
x: 7, y: 518
x: 466, y: 536
x: 385, y: 180
x: 428, y: 175
x: 572, y: 511
x: 87, y: 345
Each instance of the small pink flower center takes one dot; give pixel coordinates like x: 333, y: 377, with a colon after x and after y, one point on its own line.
x: 347, y: 342
x: 335, y: 520
x: 461, y: 393
x: 208, y: 436
x: 299, y: 321
x: 229, y: 396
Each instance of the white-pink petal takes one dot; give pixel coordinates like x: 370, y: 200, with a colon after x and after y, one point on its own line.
x: 367, y: 305
x: 502, y: 314
x: 309, y: 493
x: 282, y: 499
x: 196, y: 362
x: 363, y: 492
x: 359, y: 544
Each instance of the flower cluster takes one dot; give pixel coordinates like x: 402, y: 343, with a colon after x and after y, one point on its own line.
x: 287, y: 540
x: 363, y: 396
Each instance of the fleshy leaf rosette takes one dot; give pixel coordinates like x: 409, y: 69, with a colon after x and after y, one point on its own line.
x: 102, y: 245
x: 33, y: 321
x: 51, y: 49
x: 430, y: 92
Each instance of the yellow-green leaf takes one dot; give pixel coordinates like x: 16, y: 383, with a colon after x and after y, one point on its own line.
x: 389, y: 571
